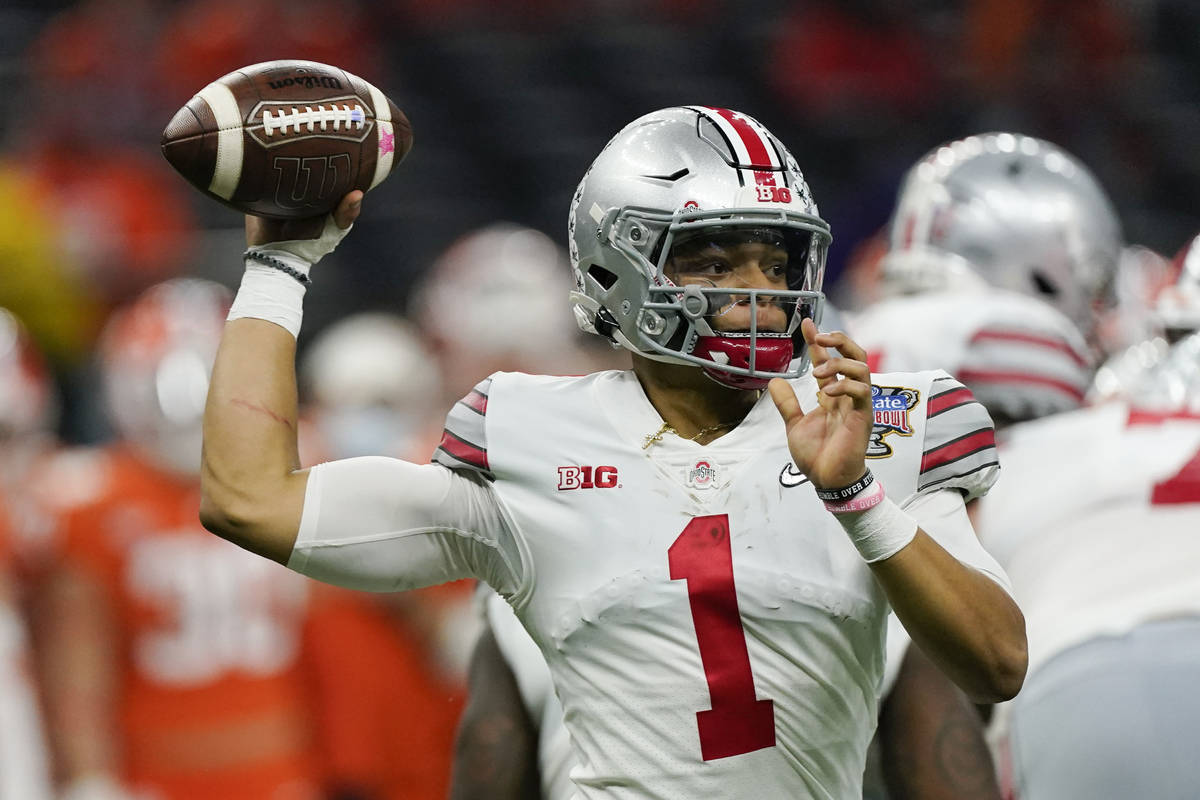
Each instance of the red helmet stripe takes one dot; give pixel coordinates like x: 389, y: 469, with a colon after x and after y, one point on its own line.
x: 755, y: 150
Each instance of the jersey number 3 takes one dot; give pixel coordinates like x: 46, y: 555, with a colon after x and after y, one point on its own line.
x: 738, y: 722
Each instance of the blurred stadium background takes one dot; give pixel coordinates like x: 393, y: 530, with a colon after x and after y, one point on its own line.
x: 510, y: 100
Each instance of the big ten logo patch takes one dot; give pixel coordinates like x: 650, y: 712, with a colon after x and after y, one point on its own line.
x: 891, y: 405
x: 703, y: 475
x: 587, y: 478
x: 766, y: 193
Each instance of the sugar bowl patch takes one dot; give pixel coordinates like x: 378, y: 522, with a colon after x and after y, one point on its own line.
x: 892, y: 405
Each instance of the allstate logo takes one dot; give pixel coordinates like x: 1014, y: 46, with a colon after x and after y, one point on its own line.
x: 892, y: 405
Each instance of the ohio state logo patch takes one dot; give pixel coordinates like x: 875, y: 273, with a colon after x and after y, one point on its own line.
x: 703, y: 475
x: 892, y: 405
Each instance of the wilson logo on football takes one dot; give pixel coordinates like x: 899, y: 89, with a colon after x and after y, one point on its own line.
x: 587, y: 478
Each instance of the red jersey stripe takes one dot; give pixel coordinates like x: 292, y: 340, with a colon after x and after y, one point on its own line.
x: 464, y: 451
x: 951, y: 399
x: 476, y: 400
x: 956, y: 449
x: 1032, y: 338
x: 1142, y: 416
x: 998, y: 376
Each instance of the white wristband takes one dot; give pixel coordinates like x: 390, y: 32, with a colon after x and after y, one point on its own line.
x: 879, y: 532
x: 269, y: 294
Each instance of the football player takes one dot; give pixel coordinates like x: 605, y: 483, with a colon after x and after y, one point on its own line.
x: 1170, y: 314
x: 1095, y: 522
x: 388, y: 670
x: 697, y: 545
x: 1002, y: 261
x: 172, y: 660
x: 1006, y: 211
x: 27, y: 412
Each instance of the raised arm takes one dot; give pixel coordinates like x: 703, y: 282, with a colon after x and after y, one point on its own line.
x: 252, y: 487
x: 962, y: 619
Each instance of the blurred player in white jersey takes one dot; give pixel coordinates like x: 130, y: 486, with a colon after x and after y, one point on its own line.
x: 1169, y: 309
x: 696, y: 545
x: 1002, y: 262
x: 1096, y: 522
x: 27, y: 412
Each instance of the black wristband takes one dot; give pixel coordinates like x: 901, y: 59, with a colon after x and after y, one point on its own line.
x: 275, y: 263
x: 847, y: 492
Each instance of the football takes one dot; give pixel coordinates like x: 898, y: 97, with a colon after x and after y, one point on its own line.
x: 286, y: 139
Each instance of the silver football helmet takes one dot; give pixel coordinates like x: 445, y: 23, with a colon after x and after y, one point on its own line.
x: 1005, y: 210
x: 1178, y: 306
x: 156, y: 356
x: 666, y: 178
x: 1173, y: 384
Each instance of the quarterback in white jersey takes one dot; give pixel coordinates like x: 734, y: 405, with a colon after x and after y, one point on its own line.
x: 705, y: 566
x: 612, y: 550
x: 1096, y: 524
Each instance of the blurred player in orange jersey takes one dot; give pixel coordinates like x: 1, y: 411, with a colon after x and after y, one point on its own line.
x: 171, y: 660
x: 388, y: 669
x: 26, y: 413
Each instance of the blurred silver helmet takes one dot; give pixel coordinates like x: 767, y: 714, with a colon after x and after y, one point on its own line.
x: 156, y: 358
x: 1178, y: 305
x: 1121, y: 376
x: 372, y: 383
x: 502, y: 272
x: 1005, y: 210
x: 1173, y: 384
x: 665, y: 178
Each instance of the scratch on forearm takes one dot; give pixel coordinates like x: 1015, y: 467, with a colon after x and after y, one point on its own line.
x: 264, y: 410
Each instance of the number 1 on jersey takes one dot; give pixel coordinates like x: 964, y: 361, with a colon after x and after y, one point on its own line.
x: 738, y: 722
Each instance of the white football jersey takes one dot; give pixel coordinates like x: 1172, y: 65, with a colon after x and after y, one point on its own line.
x: 1021, y: 357
x: 709, y: 625
x: 1097, y: 522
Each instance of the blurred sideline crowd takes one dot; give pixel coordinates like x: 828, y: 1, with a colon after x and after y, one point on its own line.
x: 141, y: 657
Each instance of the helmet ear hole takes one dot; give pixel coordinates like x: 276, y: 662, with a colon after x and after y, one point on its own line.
x: 1043, y: 284
x: 606, y: 278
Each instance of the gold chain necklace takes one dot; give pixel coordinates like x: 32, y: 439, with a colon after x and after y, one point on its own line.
x: 667, y: 427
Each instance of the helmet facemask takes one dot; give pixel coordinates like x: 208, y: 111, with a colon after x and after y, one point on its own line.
x: 678, y: 323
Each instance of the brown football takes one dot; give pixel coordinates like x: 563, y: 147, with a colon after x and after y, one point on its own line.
x: 286, y: 139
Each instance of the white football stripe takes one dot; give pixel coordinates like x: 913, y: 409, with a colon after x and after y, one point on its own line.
x: 383, y: 127
x: 228, y: 170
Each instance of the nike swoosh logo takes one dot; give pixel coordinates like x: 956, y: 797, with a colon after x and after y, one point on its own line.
x: 789, y: 476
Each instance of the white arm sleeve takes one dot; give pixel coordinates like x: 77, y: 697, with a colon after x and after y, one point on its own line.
x: 943, y: 515
x: 385, y: 525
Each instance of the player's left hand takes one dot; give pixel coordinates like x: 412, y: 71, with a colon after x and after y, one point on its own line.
x: 829, y: 443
